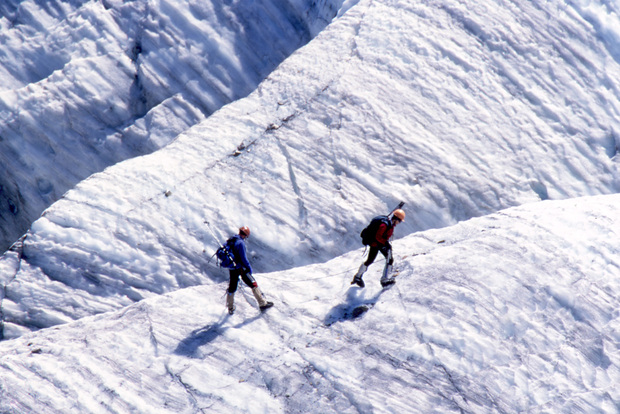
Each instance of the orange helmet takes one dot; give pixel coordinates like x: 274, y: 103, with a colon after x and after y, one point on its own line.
x: 244, y: 231
x: 399, y: 214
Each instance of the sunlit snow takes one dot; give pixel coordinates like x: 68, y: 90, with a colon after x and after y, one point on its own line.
x: 513, y: 312
x: 85, y: 84
x: 495, y: 122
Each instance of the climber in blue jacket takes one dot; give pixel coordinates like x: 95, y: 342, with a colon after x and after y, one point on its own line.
x: 243, y: 269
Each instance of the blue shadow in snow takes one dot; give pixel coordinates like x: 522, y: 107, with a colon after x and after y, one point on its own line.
x: 199, y: 337
x: 354, y: 307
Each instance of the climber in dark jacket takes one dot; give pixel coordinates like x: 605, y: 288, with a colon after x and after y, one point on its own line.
x: 381, y: 243
x: 243, y: 269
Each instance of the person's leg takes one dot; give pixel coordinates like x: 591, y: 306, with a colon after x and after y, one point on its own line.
x: 262, y: 302
x: 232, y: 288
x: 386, y: 251
x: 249, y: 280
x: 357, y: 279
x: 372, y: 255
x: 387, y: 270
x: 234, y: 280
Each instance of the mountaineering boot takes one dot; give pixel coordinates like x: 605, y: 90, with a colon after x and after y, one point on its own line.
x: 386, y: 280
x: 262, y: 303
x: 230, y: 302
x: 357, y: 280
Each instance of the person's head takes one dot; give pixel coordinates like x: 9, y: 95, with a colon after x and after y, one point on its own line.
x: 244, y: 232
x: 398, y: 216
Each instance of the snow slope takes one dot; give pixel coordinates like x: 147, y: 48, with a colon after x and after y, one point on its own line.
x: 512, y: 312
x: 459, y: 111
x: 85, y: 84
x: 491, y: 110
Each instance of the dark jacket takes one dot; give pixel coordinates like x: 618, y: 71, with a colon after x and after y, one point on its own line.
x: 240, y: 253
x: 384, y: 233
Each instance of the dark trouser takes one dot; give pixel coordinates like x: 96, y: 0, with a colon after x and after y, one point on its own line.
x: 245, y: 276
x: 385, y: 251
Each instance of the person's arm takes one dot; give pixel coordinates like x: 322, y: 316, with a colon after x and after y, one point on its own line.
x: 243, y: 257
x: 383, y: 235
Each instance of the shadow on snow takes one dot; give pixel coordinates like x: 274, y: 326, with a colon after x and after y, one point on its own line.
x: 202, y: 336
x: 354, y: 307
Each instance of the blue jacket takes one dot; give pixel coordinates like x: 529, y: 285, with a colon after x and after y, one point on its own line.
x: 241, y: 256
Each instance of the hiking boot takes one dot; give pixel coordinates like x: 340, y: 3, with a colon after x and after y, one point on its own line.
x: 387, y: 282
x: 266, y: 306
x: 386, y: 279
x: 357, y: 280
x: 262, y: 303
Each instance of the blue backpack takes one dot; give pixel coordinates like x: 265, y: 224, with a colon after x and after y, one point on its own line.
x: 225, y: 255
x: 369, y: 233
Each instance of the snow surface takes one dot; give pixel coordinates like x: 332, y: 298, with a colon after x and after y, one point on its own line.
x: 512, y: 312
x: 85, y: 84
x: 495, y: 122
